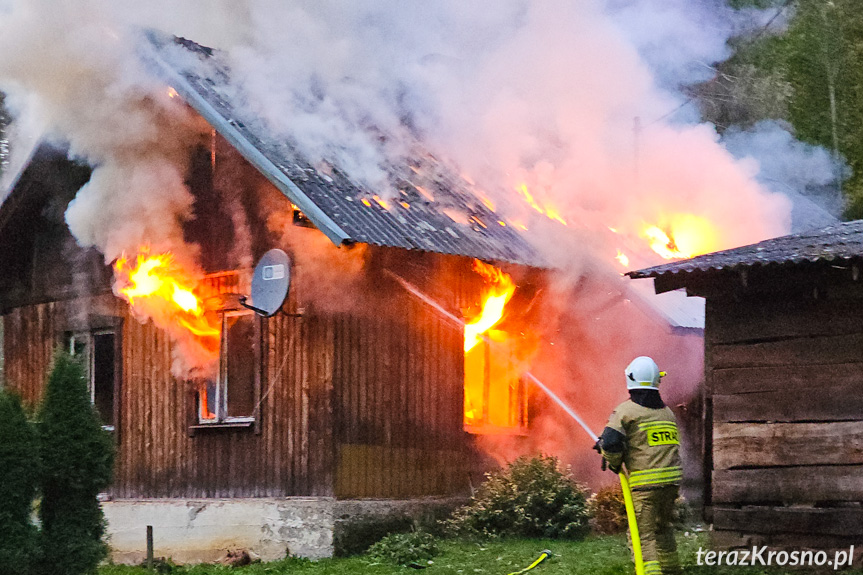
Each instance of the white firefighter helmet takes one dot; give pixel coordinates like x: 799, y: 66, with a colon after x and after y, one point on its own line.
x: 643, y: 373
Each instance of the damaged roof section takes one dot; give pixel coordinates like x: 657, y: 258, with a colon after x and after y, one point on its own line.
x: 434, y: 211
x: 834, y: 243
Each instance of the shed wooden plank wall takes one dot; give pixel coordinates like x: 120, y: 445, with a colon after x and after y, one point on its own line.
x: 785, y: 379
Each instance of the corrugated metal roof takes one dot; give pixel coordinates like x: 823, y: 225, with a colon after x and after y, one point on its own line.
x: 837, y: 242
x: 332, y: 201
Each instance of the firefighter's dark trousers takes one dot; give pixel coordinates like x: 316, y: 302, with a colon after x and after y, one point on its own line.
x: 654, y: 513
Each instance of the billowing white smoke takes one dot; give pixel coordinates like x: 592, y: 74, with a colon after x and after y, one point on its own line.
x: 559, y: 96
x: 546, y: 94
x: 791, y: 167
x: 72, y: 66
x: 680, y: 40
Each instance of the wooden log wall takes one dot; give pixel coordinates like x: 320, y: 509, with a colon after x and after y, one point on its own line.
x: 785, y: 381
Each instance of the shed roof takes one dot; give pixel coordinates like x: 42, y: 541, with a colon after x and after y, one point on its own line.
x: 332, y: 201
x: 842, y: 241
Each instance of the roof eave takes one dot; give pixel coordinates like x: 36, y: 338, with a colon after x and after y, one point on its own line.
x: 254, y: 156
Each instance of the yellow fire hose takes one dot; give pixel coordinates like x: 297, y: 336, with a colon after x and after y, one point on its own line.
x: 542, y: 557
x: 633, y: 525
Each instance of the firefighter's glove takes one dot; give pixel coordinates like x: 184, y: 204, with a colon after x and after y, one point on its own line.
x: 613, y: 444
x: 597, y: 447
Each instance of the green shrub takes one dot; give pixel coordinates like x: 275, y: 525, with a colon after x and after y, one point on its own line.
x: 77, y: 460
x: 531, y: 497
x: 404, y: 548
x: 18, y: 477
x: 608, y: 510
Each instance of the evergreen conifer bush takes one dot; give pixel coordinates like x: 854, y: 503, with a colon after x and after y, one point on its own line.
x: 18, y: 478
x: 77, y: 461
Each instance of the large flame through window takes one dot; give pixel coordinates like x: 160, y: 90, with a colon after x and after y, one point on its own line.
x: 494, y: 394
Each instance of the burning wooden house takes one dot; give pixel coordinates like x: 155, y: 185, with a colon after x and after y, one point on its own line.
x: 362, y: 397
x: 359, y: 389
x: 783, y: 400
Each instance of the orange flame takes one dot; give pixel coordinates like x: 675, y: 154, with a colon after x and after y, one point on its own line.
x: 502, y: 288
x: 684, y: 236
x: 494, y: 399
x: 622, y: 258
x: 155, y: 281
x: 382, y: 202
x: 548, y: 211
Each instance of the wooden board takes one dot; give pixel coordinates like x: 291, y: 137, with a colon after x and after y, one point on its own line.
x: 835, y: 403
x: 781, y: 444
x: 782, y: 318
x: 790, y: 379
x: 814, y: 483
x: 791, y: 352
x: 841, y: 521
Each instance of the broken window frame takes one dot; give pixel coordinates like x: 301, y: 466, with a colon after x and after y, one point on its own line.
x: 222, y: 417
x: 86, y: 339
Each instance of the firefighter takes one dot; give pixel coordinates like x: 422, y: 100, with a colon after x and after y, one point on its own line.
x: 642, y: 435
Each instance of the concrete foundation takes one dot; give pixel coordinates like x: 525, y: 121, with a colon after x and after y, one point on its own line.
x: 202, y: 530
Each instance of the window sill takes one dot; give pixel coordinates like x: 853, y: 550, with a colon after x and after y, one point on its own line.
x: 224, y: 425
x: 486, y: 429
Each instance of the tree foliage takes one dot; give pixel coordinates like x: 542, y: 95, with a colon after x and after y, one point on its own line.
x: 808, y: 74
x: 77, y: 459
x: 18, y: 479
x: 822, y: 51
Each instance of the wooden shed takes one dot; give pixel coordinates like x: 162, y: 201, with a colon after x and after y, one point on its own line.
x: 783, y: 394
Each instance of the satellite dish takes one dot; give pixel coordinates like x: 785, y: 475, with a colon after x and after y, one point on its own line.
x: 270, y: 283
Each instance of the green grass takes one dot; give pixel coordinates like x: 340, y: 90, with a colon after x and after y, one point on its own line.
x: 606, y: 555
